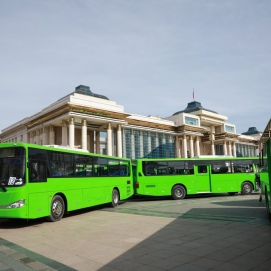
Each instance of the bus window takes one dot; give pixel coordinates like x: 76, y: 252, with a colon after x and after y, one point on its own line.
x: 83, y: 165
x: 68, y: 165
x: 124, y: 169
x: 221, y: 167
x: 37, y: 171
x: 101, y: 166
x: 57, y: 168
x: 38, y: 166
x: 118, y: 168
x: 175, y: 167
x: 202, y: 169
x: 57, y: 164
x: 149, y: 168
x: 242, y: 166
x: 80, y: 170
x: 189, y: 167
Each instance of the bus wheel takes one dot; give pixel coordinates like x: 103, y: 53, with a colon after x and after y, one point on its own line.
x: 232, y: 193
x: 178, y: 192
x: 246, y: 188
x: 115, y: 198
x: 57, y: 209
x: 267, y: 207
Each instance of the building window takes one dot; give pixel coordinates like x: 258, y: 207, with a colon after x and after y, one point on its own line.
x: 138, y: 144
x: 154, y: 145
x: 219, y: 149
x: 191, y: 121
x: 128, y: 143
x: 145, y: 136
x: 229, y: 129
x: 170, y: 150
x: 162, y: 145
x: 244, y: 150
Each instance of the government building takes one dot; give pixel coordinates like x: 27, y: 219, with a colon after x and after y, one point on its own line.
x: 93, y: 122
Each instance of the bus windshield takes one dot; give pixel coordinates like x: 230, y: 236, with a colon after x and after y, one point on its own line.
x: 12, y: 166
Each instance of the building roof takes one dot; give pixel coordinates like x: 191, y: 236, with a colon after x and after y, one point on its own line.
x: 85, y: 90
x: 192, y: 107
x: 251, y: 131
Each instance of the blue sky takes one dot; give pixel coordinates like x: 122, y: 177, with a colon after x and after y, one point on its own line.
x: 145, y: 55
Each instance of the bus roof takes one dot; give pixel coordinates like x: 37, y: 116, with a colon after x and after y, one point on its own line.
x: 207, y: 157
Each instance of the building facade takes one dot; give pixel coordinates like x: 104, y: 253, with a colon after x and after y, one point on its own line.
x: 92, y: 122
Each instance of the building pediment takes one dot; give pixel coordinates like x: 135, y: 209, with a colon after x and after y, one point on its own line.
x: 70, y: 108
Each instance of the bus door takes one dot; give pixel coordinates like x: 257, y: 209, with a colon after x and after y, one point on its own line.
x: 202, y: 174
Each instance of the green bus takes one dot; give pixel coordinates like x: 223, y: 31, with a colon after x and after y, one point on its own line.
x: 48, y: 181
x: 265, y: 176
x: 178, y: 177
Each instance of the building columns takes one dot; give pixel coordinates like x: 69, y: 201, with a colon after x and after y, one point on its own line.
x: 234, y: 149
x: 97, y: 142
x: 225, y: 148
x: 230, y: 153
x: 109, y: 139
x: 191, y: 147
x: 177, y: 147
x: 52, y: 135
x: 212, y: 148
x: 44, y: 136
x: 64, y: 134
x: 84, y: 135
x: 197, y: 146
x: 119, y: 142
x: 184, y: 146
x: 91, y: 141
x: 71, y: 133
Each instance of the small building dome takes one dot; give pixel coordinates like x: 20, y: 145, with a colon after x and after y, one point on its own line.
x: 192, y: 107
x: 251, y: 131
x: 85, y: 90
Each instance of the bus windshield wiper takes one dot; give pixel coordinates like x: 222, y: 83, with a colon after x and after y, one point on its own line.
x: 3, y: 186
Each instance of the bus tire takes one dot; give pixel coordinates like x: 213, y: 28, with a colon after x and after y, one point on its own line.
x: 267, y: 206
x: 178, y: 192
x: 57, y: 209
x: 246, y: 188
x: 115, y: 197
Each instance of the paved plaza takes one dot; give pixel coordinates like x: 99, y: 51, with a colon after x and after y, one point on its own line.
x: 217, y: 232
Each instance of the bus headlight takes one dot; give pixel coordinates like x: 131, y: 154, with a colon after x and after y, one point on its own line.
x: 17, y: 204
